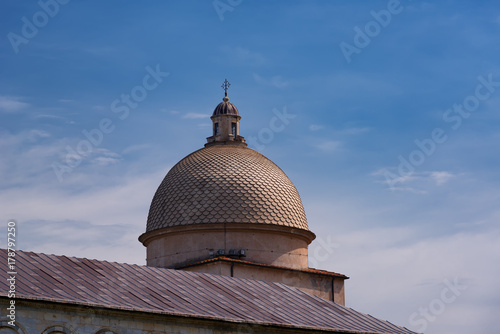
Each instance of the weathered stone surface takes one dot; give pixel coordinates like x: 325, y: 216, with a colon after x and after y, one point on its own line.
x: 314, y: 282
x: 268, y: 244
x: 74, y: 319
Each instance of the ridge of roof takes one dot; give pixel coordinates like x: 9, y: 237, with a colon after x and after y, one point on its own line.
x: 120, y: 286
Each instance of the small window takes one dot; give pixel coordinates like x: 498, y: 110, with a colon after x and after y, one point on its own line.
x: 216, y: 129
x: 233, y: 128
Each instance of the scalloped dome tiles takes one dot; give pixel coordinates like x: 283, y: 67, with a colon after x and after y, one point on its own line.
x: 226, y: 184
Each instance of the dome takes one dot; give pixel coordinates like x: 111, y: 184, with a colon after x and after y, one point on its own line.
x: 225, y: 108
x: 226, y: 184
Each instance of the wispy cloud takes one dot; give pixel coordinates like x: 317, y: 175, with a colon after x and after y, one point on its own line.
x: 82, y: 239
x: 328, y: 145
x: 243, y: 56
x: 104, y: 161
x: 104, y: 157
x: 350, y: 84
x: 11, y: 142
x: 12, y: 104
x: 388, y: 251
x: 134, y: 148
x: 100, y: 51
x: 409, y: 190
x: 73, y: 218
x: 416, y: 182
x: 99, y: 108
x: 53, y: 117
x: 353, y: 131
x: 442, y: 177
x: 194, y: 115
x: 204, y: 125
x: 28, y: 157
x: 274, y: 81
x: 315, y: 127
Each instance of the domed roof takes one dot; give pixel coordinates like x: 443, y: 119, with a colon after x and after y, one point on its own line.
x: 226, y: 184
x: 225, y: 108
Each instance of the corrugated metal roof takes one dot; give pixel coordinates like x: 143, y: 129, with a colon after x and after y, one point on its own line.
x: 182, y: 293
x: 228, y: 259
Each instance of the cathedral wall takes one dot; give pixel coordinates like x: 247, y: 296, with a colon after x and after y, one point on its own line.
x: 261, y: 243
x: 39, y: 317
x: 323, y: 286
x: 224, y: 125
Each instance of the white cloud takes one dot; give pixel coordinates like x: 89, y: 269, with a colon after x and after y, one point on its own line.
x: 328, y: 145
x: 47, y: 116
x: 12, y: 103
x: 28, y: 157
x: 104, y: 157
x: 242, y: 56
x: 442, y: 177
x: 274, y: 81
x: 24, y: 152
x: 415, y: 272
x: 134, y: 148
x: 349, y: 84
x: 81, y: 218
x: 193, y: 115
x: 398, y: 248
x: 315, y: 127
x: 100, y: 50
x: 104, y: 161
x: 410, y: 190
x: 53, y: 117
x: 34, y: 135
x: 81, y: 238
x: 99, y: 108
x: 416, y: 182
x: 354, y: 131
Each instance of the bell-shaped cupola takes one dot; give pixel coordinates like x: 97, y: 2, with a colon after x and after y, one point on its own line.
x: 225, y: 122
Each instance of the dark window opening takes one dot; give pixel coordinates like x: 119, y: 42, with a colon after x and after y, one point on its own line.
x: 233, y: 128
x: 216, y: 129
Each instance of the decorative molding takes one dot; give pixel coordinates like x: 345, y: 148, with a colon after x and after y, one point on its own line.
x: 306, y: 235
x: 4, y: 323
x: 58, y: 329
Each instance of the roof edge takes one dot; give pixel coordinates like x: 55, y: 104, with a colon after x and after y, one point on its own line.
x: 231, y: 260
x: 186, y: 315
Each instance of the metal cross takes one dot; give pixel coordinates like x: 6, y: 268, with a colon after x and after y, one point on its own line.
x: 225, y: 86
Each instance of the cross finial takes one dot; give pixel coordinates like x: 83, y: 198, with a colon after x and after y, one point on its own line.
x: 225, y: 86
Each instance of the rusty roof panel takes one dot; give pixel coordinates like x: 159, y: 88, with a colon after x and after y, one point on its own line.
x: 182, y: 293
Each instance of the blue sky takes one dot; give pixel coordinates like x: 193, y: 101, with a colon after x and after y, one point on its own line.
x: 394, y: 147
